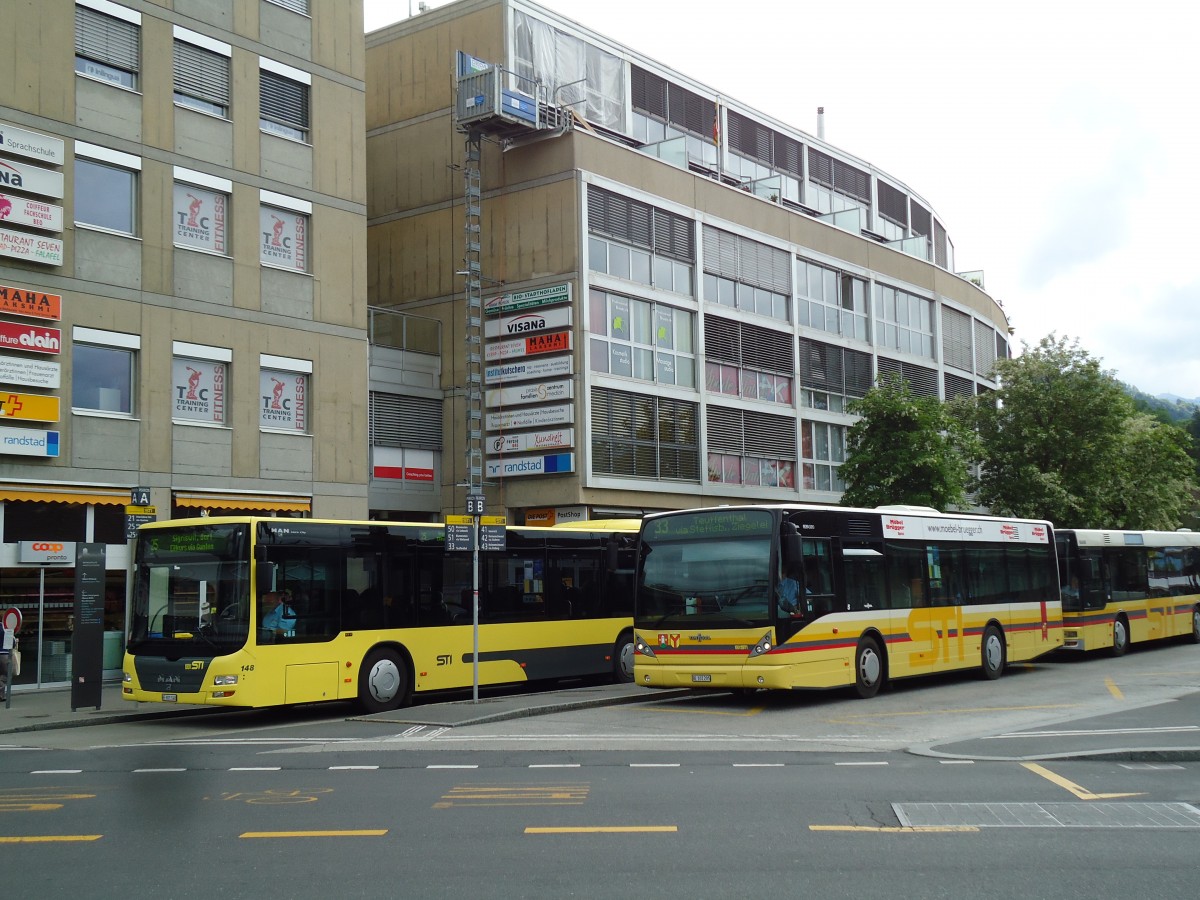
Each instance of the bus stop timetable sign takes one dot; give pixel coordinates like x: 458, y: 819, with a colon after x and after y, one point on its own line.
x: 460, y: 533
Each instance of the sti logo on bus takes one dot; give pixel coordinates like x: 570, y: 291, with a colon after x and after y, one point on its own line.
x: 668, y: 640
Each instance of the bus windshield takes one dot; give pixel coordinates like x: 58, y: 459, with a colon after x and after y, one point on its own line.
x: 191, y: 589
x: 698, y: 568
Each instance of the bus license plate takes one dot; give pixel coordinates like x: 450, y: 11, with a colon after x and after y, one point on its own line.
x: 170, y: 698
x: 701, y: 679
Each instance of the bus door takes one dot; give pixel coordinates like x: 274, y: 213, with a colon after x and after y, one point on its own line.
x: 908, y: 596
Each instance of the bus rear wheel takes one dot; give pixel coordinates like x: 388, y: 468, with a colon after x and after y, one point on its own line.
x: 1120, y: 636
x: 1196, y: 625
x: 623, y: 659
x: 382, y: 682
x: 992, y: 653
x: 869, y: 672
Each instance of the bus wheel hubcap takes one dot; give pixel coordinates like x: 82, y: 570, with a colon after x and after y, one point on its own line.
x: 993, y: 651
x: 868, y: 667
x: 385, y: 680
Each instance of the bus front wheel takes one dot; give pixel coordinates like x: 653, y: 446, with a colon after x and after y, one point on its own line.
x: 992, y: 653
x: 1120, y: 636
x: 623, y: 659
x: 868, y: 668
x: 1196, y: 625
x: 382, y: 682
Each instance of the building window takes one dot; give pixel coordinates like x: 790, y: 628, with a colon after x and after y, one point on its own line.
x: 283, y: 393
x: 652, y: 246
x: 956, y: 339
x: 831, y: 376
x: 201, y: 73
x: 107, y: 42
x: 103, y: 370
x: 751, y: 448
x: 748, y: 361
x: 644, y: 436
x: 284, y: 232
x: 200, y: 214
x: 746, y: 274
x: 641, y: 339
x: 823, y: 448
x: 199, y: 383
x: 405, y: 436
x: 106, y: 188
x: 300, y: 6
x: 283, y: 100
x: 831, y: 301
x: 904, y: 320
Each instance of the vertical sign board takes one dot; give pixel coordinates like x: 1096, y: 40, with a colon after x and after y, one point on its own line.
x: 87, y: 641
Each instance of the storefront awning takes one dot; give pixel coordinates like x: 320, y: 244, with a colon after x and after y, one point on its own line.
x: 195, y: 500
x: 50, y: 494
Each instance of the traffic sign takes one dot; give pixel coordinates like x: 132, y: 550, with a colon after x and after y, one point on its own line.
x: 12, y: 619
x: 492, y: 537
x: 492, y: 520
x: 140, y: 496
x: 142, y: 511
x: 460, y: 537
x: 475, y: 504
x: 460, y: 520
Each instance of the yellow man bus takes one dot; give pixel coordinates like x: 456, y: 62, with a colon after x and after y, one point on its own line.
x: 1123, y: 587
x: 369, y: 611
x: 786, y: 597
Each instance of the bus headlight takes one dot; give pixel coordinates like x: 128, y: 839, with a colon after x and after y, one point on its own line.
x: 127, y: 677
x: 225, y: 679
x: 640, y: 646
x: 764, y: 645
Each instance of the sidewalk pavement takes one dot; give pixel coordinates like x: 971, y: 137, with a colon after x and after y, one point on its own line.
x: 38, y: 710
x: 34, y: 710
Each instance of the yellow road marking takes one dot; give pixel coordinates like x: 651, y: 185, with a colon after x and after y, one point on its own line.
x: 364, y: 832
x: 605, y: 829
x: 898, y: 829
x: 1071, y: 786
x: 49, y: 838
x: 1113, y: 689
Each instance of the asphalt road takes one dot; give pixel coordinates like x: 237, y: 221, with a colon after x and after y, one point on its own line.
x: 618, y: 790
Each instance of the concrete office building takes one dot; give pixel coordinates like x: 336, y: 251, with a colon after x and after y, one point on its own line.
x: 680, y: 294
x: 182, y: 297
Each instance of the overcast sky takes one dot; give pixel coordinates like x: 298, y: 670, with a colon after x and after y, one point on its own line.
x: 1056, y: 140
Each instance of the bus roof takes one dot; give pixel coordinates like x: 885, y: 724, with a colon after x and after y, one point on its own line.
x: 1096, y: 537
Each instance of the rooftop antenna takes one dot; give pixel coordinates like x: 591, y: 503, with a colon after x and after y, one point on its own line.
x: 821, y: 122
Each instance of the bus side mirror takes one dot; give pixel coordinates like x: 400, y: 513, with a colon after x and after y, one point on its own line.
x: 265, y: 580
x: 612, y: 551
x: 791, y: 545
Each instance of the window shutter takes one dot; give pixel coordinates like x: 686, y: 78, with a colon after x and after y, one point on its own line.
x: 987, y: 349
x: 106, y: 39
x: 724, y: 430
x: 722, y: 340
x: 773, y: 437
x: 956, y: 339
x: 765, y: 348
x: 401, y: 421
x: 283, y: 100
x: 201, y: 74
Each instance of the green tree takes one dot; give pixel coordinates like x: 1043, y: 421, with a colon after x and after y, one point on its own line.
x: 1156, y: 482
x: 1061, y: 440
x: 905, y: 449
